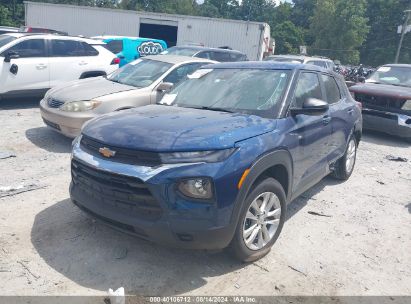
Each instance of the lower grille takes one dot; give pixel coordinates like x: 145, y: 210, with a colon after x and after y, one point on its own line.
x: 54, y: 103
x: 51, y: 124
x: 127, y: 194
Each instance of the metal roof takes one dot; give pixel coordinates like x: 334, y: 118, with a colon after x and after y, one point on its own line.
x: 266, y: 65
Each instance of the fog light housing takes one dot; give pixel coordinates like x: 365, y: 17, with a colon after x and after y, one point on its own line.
x: 198, y: 188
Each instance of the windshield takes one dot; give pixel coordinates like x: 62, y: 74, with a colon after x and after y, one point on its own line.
x: 180, y: 51
x: 252, y: 91
x: 392, y: 75
x: 5, y: 39
x: 140, y: 73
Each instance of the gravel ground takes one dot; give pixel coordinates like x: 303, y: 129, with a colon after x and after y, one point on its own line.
x: 48, y: 247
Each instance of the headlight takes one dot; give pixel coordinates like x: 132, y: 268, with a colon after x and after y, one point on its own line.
x: 80, y: 106
x: 192, y: 157
x: 75, y: 141
x: 199, y: 188
x: 407, y: 105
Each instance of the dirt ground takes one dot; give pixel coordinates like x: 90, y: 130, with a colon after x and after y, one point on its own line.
x: 48, y: 247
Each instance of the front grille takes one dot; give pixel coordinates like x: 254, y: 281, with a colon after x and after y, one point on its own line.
x: 129, y: 195
x: 382, y: 103
x: 54, y: 103
x: 122, y: 155
x: 51, y: 124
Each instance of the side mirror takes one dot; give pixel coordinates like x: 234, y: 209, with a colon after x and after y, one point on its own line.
x: 11, y: 55
x: 311, y: 106
x: 165, y: 86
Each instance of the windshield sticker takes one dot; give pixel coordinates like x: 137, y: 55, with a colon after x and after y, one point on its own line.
x: 168, y: 99
x: 199, y: 73
x: 282, y: 75
x: 384, y: 69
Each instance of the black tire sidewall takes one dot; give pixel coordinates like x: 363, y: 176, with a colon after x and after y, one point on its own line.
x: 237, y: 244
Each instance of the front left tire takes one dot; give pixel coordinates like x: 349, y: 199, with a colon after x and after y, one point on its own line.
x: 260, y: 222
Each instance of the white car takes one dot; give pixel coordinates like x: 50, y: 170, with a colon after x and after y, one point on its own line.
x: 30, y: 64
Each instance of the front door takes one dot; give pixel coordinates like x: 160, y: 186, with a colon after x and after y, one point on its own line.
x: 312, y: 134
x: 29, y: 72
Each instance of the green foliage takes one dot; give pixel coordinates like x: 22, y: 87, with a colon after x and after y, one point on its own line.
x: 339, y: 28
x: 349, y: 30
x: 288, y: 38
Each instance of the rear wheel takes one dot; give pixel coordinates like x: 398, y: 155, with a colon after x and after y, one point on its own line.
x: 345, y: 165
x: 260, y: 222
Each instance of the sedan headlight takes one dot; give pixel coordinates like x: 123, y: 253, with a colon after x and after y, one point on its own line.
x: 192, y: 157
x: 80, y: 106
x: 407, y: 105
x: 198, y: 188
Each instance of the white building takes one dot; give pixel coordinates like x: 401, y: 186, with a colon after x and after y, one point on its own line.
x: 251, y: 38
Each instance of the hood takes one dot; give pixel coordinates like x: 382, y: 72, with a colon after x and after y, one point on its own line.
x: 87, y: 89
x: 382, y: 90
x: 167, y: 128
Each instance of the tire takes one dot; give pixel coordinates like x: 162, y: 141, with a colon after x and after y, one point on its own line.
x: 343, y: 170
x: 260, y: 245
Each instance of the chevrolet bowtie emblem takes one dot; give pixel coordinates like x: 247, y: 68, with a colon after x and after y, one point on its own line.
x: 106, y: 152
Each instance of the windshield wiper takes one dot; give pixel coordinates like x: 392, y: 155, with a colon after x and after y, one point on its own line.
x: 216, y: 109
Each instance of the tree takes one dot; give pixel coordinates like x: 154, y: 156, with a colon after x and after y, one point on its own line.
x: 382, y: 40
x: 339, y: 28
x: 287, y: 37
x: 5, y: 18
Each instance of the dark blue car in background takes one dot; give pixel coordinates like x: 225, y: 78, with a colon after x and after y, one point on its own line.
x: 217, y: 165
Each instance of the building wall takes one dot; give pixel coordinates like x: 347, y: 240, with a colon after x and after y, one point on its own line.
x: 87, y: 21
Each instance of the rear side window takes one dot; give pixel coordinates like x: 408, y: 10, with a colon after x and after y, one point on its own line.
x: 237, y: 57
x: 318, y: 63
x: 71, y: 48
x: 114, y: 46
x: 221, y: 56
x: 331, y: 89
x: 29, y: 48
x: 205, y: 55
x: 308, y: 86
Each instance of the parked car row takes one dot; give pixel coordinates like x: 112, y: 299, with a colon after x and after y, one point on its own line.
x: 185, y: 151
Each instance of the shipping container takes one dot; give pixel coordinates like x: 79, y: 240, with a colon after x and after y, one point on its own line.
x: 251, y: 38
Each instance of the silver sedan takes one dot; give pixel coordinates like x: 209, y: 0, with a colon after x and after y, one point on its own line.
x: 144, y: 81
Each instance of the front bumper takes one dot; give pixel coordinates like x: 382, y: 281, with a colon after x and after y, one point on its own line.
x: 182, y: 223
x: 67, y: 123
x: 387, y: 122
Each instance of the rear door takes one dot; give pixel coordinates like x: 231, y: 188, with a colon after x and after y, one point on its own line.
x: 69, y: 59
x: 312, y: 132
x: 341, y: 113
x: 28, y: 72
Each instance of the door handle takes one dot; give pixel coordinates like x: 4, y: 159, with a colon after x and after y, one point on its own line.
x: 83, y: 63
x: 350, y: 111
x: 41, y: 66
x: 326, y: 120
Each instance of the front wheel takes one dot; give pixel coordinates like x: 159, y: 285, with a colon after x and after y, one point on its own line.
x: 345, y: 165
x: 260, y: 222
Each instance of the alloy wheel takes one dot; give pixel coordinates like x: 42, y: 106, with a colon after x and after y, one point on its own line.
x: 262, y: 220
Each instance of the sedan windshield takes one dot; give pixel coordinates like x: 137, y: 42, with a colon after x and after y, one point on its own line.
x: 180, y: 51
x: 5, y: 39
x: 253, y: 91
x: 140, y: 73
x: 392, y: 75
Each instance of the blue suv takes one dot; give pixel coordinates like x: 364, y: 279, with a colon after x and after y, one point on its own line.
x: 216, y: 164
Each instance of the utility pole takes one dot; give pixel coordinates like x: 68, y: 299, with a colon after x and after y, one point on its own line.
x: 404, y: 28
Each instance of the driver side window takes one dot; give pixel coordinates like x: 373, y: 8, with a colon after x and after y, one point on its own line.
x: 308, y: 86
x: 29, y: 48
